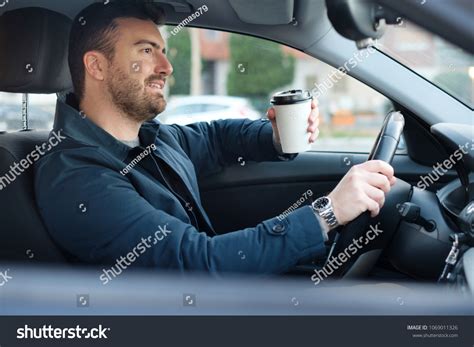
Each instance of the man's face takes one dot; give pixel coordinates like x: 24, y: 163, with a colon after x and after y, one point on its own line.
x: 138, y: 71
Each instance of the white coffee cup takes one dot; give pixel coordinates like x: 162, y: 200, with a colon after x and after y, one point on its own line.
x: 292, y: 109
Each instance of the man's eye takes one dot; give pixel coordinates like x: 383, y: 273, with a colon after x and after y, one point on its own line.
x: 147, y: 50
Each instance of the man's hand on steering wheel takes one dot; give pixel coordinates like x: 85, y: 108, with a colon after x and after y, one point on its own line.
x: 362, y: 189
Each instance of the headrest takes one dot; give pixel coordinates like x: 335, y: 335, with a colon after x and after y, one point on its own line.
x: 33, y: 51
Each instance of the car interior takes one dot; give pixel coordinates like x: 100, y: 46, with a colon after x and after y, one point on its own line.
x: 33, y: 59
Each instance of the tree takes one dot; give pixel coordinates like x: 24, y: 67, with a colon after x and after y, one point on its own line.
x: 257, y: 67
x: 179, y: 46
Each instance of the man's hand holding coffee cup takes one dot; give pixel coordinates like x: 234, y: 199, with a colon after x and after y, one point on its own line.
x: 294, y: 118
x: 313, y: 122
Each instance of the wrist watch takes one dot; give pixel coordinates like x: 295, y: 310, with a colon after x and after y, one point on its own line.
x: 323, y: 207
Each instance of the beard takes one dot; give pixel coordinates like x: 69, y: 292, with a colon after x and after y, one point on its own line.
x: 131, y: 97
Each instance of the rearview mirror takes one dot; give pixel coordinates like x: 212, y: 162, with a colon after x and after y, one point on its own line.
x: 360, y: 20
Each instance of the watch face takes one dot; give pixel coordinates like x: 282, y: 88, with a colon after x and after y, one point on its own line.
x: 321, y: 203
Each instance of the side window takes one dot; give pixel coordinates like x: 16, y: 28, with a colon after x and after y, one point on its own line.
x: 351, y: 112
x: 236, y: 75
x: 41, y: 108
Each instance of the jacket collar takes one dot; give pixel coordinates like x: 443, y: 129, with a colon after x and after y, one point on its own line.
x: 75, y: 124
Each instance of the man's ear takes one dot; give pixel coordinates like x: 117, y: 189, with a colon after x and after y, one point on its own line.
x: 95, y: 65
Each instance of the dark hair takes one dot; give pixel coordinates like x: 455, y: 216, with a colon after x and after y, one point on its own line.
x: 94, y: 29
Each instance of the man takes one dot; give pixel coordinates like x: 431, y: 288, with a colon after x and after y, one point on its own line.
x: 122, y: 188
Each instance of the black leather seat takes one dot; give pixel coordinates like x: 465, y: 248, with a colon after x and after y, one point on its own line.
x: 38, y: 37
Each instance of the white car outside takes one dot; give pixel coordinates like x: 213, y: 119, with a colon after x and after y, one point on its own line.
x: 184, y: 110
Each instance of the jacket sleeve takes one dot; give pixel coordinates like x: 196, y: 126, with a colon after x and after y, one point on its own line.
x: 224, y: 142
x: 96, y: 215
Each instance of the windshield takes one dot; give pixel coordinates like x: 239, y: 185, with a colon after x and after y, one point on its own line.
x: 447, y: 66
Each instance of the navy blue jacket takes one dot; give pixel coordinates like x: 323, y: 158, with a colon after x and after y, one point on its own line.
x: 102, y: 200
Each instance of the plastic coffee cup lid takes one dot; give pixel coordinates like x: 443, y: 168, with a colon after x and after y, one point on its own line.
x: 291, y: 97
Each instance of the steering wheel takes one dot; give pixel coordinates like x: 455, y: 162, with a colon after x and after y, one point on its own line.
x: 384, y: 149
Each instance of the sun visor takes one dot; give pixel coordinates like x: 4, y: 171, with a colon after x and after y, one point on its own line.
x: 264, y: 12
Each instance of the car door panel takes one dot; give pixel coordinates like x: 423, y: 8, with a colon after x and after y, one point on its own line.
x: 248, y: 193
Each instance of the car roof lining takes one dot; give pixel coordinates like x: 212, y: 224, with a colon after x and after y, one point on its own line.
x: 261, y: 18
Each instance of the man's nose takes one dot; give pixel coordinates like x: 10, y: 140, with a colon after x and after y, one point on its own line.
x: 163, y: 66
